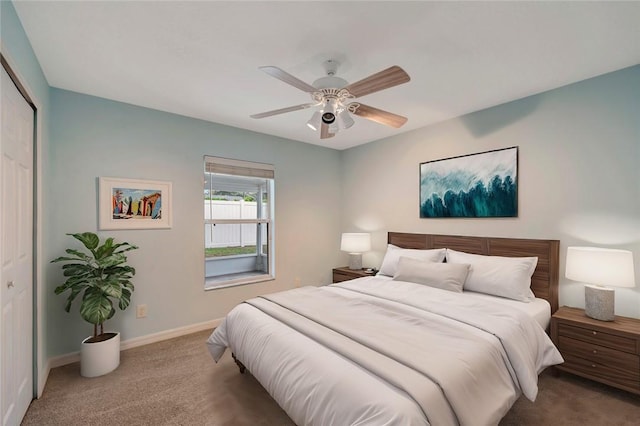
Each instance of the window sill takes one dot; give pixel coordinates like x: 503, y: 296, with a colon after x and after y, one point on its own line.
x: 217, y: 283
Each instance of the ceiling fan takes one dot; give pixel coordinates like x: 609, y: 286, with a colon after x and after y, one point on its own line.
x: 334, y: 98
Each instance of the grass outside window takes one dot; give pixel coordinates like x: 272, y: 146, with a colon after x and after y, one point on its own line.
x: 231, y: 251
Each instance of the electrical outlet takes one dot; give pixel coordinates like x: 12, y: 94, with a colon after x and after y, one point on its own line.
x: 141, y: 311
x: 297, y: 281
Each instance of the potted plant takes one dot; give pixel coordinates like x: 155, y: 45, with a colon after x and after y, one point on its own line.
x: 102, y: 278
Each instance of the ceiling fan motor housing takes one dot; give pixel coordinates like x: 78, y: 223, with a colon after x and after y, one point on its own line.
x: 330, y: 82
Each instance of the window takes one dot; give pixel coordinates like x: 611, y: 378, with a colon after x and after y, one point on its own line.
x: 238, y: 222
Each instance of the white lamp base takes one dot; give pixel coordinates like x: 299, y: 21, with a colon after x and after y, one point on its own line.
x: 599, y: 302
x: 355, y: 261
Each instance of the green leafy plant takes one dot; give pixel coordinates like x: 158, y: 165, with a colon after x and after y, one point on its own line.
x: 100, y: 277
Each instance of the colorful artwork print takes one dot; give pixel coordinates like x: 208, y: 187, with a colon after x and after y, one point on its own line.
x: 476, y: 185
x: 136, y: 204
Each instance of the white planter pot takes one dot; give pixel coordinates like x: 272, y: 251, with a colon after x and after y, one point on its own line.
x: 99, y: 358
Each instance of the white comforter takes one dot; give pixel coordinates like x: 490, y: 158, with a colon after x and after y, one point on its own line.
x: 373, y: 351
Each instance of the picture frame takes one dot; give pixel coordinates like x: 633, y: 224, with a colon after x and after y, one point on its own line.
x: 479, y: 185
x: 134, y: 204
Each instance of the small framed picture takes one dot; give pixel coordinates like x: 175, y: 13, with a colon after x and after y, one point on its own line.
x: 134, y: 204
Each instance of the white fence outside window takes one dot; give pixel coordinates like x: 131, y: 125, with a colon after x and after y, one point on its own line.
x: 231, y: 235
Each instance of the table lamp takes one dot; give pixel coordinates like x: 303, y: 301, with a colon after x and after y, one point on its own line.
x: 600, y: 266
x: 355, y: 243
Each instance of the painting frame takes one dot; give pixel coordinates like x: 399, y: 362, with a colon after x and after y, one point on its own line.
x: 134, y: 204
x: 478, y: 185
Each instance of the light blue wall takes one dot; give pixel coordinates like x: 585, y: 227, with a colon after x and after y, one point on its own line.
x: 17, y: 47
x: 579, y: 174
x: 22, y: 60
x: 94, y: 137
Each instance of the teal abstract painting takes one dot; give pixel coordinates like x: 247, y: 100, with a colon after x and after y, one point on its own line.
x: 476, y: 185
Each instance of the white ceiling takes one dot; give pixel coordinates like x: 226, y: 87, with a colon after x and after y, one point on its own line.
x: 201, y: 59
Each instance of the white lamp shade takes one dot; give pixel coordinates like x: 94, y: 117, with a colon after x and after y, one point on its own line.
x: 355, y: 242
x: 344, y: 119
x: 314, y: 121
x: 600, y: 266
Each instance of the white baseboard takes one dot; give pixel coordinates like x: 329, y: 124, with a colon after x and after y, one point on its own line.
x: 61, y: 360
x: 133, y: 343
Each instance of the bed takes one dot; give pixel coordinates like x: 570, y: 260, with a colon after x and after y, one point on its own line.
x: 420, y: 343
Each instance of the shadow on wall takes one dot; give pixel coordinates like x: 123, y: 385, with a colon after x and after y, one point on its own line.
x: 487, y: 121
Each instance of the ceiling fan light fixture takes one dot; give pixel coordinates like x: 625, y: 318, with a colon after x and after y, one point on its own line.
x: 344, y: 119
x: 314, y: 121
x: 328, y: 117
x: 329, y: 111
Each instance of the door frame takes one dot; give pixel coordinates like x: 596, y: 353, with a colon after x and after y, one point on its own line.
x: 41, y: 366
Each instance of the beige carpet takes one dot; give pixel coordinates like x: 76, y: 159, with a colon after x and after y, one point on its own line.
x: 176, y: 382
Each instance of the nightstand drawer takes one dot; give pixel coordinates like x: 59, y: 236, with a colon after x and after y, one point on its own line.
x: 600, y: 355
x: 598, y: 337
x: 340, y: 276
x: 603, y: 372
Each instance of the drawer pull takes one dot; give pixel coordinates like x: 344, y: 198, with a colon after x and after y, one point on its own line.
x: 593, y: 365
x: 595, y: 351
x: 594, y: 332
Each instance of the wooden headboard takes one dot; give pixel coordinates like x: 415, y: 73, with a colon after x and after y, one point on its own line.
x: 544, y: 281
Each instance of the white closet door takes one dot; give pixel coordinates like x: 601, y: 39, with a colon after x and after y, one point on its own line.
x: 16, y: 253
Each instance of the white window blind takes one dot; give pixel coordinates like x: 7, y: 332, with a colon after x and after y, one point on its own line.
x: 229, y: 166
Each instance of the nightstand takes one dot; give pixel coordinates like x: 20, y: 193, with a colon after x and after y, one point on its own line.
x: 604, y: 351
x: 346, y: 274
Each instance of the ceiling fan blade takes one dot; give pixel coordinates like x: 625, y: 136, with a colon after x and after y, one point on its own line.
x: 324, y: 132
x: 282, y: 110
x: 288, y: 78
x: 378, y: 115
x: 390, y: 77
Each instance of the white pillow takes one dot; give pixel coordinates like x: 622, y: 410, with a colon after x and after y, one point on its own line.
x: 446, y: 276
x: 392, y: 256
x: 508, y: 277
